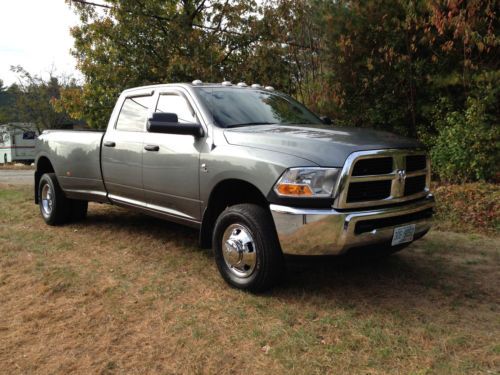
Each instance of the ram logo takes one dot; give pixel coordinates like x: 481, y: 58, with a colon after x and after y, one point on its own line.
x: 401, y: 175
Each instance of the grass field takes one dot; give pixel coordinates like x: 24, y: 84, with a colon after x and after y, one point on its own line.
x: 124, y: 293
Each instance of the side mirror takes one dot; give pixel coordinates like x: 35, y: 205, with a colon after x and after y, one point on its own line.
x: 326, y: 120
x: 162, y: 122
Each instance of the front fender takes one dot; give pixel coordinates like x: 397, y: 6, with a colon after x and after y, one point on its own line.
x: 259, y: 167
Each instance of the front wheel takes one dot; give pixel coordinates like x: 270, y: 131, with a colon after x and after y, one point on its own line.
x: 246, y: 246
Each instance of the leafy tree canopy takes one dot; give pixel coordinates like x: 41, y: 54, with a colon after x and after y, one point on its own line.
x: 398, y: 65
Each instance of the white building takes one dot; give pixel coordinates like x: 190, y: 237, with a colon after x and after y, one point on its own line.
x: 17, y: 142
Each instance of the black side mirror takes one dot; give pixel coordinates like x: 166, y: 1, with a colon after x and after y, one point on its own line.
x: 162, y: 122
x: 326, y: 120
x: 164, y: 117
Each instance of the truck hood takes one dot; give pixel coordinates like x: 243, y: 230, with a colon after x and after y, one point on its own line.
x: 325, y: 146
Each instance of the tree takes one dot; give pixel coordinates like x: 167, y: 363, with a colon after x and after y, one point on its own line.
x: 396, y: 65
x: 5, y: 103
x: 138, y: 42
x: 33, y: 100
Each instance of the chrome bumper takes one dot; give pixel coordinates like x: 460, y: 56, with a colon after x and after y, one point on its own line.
x: 330, y: 232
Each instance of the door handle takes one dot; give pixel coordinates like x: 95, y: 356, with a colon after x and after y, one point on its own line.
x: 109, y: 144
x: 152, y: 148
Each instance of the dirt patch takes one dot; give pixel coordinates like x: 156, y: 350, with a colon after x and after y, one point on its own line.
x: 125, y: 293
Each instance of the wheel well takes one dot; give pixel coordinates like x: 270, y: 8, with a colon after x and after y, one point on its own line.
x: 227, y: 193
x: 43, y: 166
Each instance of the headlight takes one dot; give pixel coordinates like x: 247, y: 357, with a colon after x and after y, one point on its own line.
x: 307, y: 182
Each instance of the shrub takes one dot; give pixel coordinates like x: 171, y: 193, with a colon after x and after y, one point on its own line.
x: 467, y: 146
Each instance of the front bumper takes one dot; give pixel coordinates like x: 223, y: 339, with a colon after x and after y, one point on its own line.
x: 331, y: 232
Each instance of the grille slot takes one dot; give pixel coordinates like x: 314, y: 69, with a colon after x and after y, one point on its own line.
x: 414, y: 185
x: 369, y: 225
x: 415, y: 163
x: 366, y: 167
x: 368, y: 191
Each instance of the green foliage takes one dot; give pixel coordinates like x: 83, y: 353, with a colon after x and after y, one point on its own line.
x: 31, y: 100
x: 136, y: 43
x: 7, y: 103
x: 467, y: 146
x: 421, y: 68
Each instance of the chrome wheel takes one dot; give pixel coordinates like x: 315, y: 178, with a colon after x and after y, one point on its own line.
x: 238, y: 248
x: 47, y: 199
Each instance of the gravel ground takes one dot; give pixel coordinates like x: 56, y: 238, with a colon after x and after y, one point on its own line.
x: 16, y: 177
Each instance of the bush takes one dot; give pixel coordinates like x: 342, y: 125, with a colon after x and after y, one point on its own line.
x: 467, y: 146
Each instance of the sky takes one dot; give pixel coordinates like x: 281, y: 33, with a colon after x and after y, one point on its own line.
x: 35, y: 35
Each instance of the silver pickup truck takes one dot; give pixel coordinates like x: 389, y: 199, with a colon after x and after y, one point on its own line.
x: 255, y: 171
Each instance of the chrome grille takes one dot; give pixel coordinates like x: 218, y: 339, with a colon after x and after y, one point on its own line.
x: 381, y: 177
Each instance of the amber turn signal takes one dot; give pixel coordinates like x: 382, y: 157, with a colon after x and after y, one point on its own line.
x: 296, y: 190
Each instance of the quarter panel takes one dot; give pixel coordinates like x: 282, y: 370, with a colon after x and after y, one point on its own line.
x: 75, y: 156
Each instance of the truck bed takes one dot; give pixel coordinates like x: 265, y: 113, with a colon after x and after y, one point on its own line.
x: 75, y: 156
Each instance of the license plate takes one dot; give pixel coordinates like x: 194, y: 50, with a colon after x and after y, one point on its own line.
x: 403, y: 234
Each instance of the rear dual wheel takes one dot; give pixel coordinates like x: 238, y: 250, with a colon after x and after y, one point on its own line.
x: 55, y: 208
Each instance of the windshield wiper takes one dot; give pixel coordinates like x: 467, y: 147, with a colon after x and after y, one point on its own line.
x: 250, y: 123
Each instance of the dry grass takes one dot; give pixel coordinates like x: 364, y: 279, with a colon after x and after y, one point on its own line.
x: 124, y: 293
x: 468, y: 207
x: 16, y: 167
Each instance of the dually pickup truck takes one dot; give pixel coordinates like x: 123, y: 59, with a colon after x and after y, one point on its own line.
x: 258, y: 174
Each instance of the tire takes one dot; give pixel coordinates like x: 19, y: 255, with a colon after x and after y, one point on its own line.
x: 54, y: 206
x: 78, y: 210
x: 247, y: 250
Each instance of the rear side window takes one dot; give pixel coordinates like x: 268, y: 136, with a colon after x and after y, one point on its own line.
x: 133, y: 114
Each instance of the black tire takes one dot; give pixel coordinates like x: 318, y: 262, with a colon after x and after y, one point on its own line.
x: 56, y: 210
x: 268, y: 262
x: 78, y: 210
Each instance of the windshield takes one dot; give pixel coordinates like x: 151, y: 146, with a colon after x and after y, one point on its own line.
x: 233, y: 107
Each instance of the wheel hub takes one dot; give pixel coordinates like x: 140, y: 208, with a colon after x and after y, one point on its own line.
x: 47, y: 199
x: 238, y: 248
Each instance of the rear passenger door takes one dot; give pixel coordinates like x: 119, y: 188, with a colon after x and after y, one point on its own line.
x: 171, y: 170
x: 122, y: 150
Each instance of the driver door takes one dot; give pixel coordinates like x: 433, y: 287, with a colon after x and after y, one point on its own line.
x: 170, y: 163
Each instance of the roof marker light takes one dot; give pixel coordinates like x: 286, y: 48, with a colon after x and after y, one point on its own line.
x: 197, y: 82
x: 256, y: 86
x: 227, y: 83
x: 270, y: 88
x: 242, y: 84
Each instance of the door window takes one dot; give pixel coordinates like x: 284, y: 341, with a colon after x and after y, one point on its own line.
x: 173, y: 103
x: 133, y: 114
